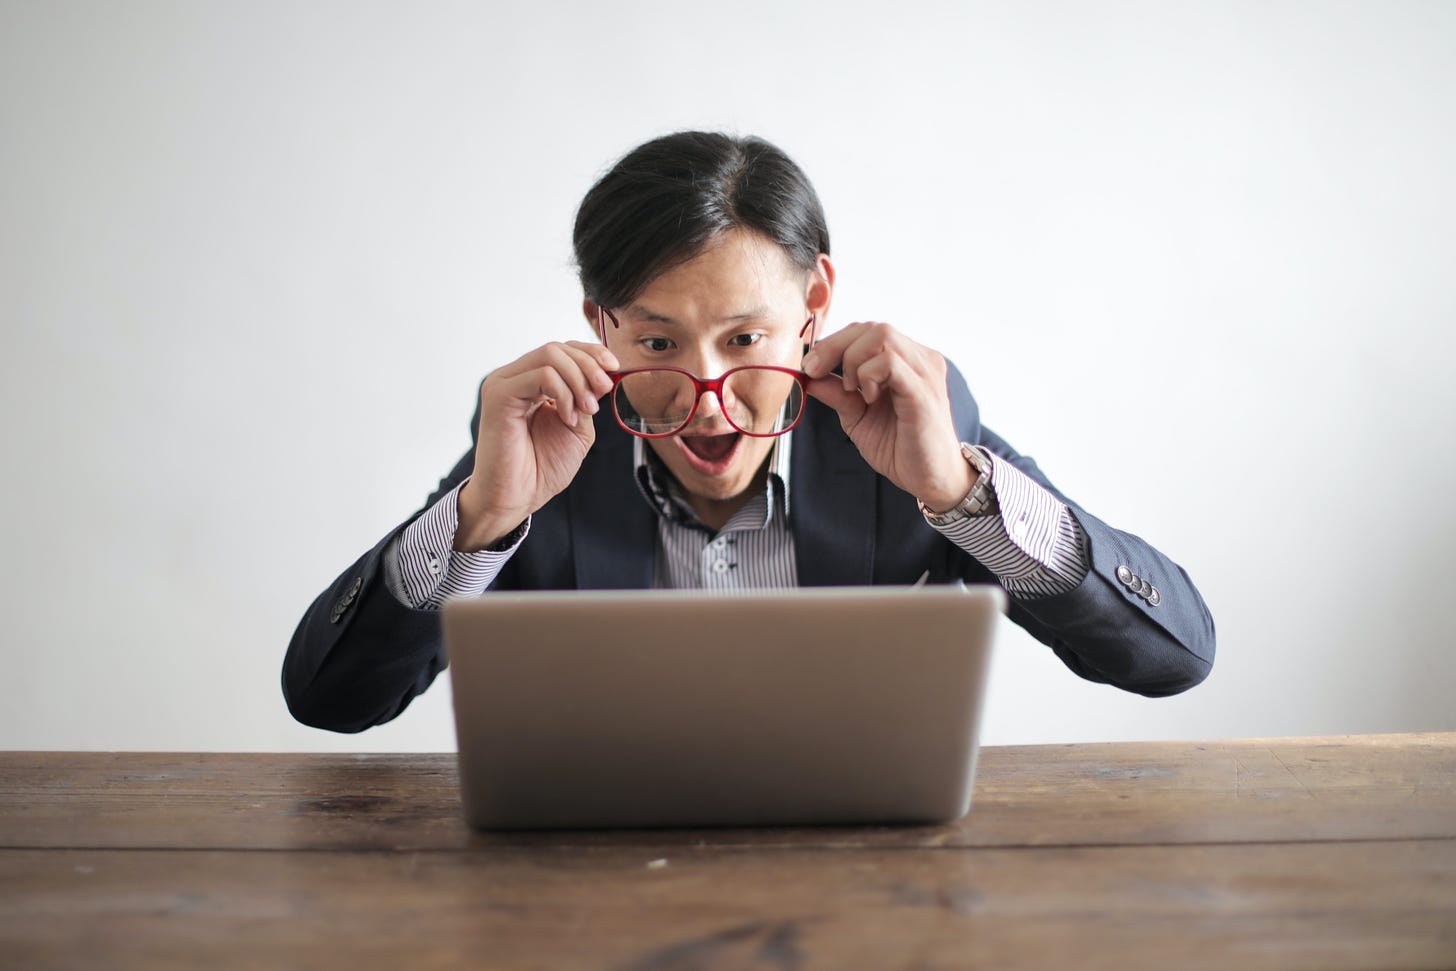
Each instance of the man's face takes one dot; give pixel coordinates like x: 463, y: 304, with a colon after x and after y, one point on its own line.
x: 738, y: 302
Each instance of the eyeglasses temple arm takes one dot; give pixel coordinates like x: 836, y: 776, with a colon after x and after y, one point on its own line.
x: 602, y: 314
x: 809, y: 328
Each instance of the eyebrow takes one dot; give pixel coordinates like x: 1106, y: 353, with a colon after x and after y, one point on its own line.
x: 652, y: 317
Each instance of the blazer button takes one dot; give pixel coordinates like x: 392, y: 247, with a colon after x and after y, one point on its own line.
x: 1124, y: 575
x: 1154, y: 598
x: 1144, y: 588
x: 351, y: 593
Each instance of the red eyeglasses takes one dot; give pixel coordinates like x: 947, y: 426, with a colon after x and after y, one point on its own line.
x: 757, y: 399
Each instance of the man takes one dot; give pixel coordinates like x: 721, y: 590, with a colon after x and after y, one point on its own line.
x: 716, y: 436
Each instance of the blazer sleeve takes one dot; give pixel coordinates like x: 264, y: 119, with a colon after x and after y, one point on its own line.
x: 1102, y: 629
x: 359, y: 656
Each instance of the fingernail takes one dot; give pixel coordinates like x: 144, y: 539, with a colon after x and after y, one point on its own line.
x: 811, y: 362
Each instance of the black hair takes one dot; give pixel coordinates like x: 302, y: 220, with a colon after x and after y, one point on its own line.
x: 668, y: 198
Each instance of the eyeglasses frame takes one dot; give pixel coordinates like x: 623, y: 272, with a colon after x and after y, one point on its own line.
x: 702, y: 386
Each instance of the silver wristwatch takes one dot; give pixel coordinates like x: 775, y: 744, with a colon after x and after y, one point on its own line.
x: 980, y: 501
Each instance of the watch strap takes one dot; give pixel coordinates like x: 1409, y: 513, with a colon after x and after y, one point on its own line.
x: 980, y: 501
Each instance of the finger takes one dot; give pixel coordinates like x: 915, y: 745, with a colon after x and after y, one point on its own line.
x: 596, y: 353
x: 826, y: 355
x: 869, y: 342
x: 540, y: 386
x: 849, y: 405
x: 599, y: 353
x: 577, y: 369
x: 596, y: 363
x: 595, y: 377
x: 875, y: 373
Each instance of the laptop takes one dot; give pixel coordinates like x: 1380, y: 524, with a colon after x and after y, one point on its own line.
x: 678, y: 708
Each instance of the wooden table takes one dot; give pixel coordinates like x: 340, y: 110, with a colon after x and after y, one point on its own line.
x: 1265, y: 853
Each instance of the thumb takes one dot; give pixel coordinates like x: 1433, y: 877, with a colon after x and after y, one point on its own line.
x: 830, y: 389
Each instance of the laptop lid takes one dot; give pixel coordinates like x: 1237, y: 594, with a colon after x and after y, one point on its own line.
x: 594, y: 709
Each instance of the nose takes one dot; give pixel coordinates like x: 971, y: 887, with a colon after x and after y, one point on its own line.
x: 703, y: 362
x: 707, y: 367
x: 709, y: 408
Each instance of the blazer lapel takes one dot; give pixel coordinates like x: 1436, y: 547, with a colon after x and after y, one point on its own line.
x: 833, y: 504
x: 612, y: 527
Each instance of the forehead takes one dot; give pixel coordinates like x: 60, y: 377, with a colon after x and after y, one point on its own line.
x: 741, y: 275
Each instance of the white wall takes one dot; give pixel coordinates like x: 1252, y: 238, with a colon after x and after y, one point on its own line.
x: 255, y: 257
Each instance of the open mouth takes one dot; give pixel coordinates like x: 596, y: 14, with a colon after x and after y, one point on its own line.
x: 710, y: 454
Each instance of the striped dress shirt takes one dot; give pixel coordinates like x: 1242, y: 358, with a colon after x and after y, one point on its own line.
x: 1032, y: 543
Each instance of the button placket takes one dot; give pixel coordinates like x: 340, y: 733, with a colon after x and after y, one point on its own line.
x: 716, y: 558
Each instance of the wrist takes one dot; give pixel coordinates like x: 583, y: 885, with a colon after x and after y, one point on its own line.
x: 979, y: 499
x: 480, y: 528
x: 950, y: 495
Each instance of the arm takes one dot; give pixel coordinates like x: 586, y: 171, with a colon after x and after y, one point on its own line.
x: 1107, y: 630
x: 1087, y: 603
x: 907, y: 411
x: 361, y: 654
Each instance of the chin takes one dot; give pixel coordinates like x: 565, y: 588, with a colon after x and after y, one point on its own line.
x: 730, y: 481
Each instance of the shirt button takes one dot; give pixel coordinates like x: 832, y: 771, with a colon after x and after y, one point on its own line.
x: 435, y: 566
x: 720, y: 566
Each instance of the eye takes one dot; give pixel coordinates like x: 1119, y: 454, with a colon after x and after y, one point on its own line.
x: 656, y: 344
x: 744, y: 340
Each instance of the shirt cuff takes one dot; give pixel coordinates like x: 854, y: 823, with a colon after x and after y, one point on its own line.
x: 1035, y: 546
x: 422, y: 568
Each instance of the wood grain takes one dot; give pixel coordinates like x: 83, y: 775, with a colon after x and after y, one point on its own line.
x: 1251, y: 790
x: 1262, y: 853
x: 1299, y: 905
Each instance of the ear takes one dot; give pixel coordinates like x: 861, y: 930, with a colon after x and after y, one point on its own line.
x: 819, y: 290
x: 592, y: 314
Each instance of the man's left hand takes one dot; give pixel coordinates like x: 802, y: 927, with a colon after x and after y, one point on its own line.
x: 893, y: 405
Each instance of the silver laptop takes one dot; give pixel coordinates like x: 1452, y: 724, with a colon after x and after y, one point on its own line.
x: 680, y: 708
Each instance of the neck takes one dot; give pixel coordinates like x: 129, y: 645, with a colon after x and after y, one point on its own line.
x: 715, y: 513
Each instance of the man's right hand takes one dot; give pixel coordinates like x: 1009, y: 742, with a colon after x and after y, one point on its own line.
x: 535, y: 429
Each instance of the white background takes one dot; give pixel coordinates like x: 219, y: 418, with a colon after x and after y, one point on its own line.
x: 1194, y: 258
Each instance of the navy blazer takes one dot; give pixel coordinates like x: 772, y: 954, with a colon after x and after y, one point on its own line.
x: 359, y: 656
